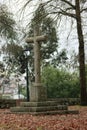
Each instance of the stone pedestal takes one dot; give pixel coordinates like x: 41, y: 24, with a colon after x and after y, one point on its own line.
x: 38, y: 92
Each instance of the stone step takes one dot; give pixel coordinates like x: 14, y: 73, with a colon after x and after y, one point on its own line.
x: 38, y: 109
x: 49, y: 112
x: 35, y: 104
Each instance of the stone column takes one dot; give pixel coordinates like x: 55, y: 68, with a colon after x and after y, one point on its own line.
x: 37, y: 57
x: 37, y: 90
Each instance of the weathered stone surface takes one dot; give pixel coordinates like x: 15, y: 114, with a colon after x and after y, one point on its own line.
x: 48, y: 112
x: 43, y: 103
x: 38, y: 93
x: 43, y: 107
x: 38, y: 109
x: 38, y: 39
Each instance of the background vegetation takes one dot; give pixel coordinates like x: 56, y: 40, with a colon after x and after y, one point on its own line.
x: 60, y: 83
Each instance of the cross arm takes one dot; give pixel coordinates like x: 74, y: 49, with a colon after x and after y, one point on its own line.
x: 38, y: 39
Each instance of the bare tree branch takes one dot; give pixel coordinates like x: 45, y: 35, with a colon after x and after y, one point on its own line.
x: 27, y: 3
x: 69, y: 3
x: 64, y: 13
x: 85, y: 9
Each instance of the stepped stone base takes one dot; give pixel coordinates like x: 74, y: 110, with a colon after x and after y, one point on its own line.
x: 44, y: 107
x: 48, y: 112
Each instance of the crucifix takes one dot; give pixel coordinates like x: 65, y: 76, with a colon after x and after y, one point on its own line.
x: 37, y: 90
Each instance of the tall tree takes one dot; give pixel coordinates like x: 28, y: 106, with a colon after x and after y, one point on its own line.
x: 7, y: 27
x: 12, y: 53
x: 81, y: 54
x: 7, y: 23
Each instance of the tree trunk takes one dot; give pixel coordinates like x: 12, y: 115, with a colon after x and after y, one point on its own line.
x: 81, y: 55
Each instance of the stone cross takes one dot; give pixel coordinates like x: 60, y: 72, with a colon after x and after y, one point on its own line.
x: 38, y: 86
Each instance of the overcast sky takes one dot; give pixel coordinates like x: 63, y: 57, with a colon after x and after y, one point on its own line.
x: 70, y: 44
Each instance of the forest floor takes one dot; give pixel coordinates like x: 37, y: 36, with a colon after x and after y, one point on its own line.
x: 10, y: 121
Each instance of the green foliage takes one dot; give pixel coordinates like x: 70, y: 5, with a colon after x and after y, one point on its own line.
x: 2, y: 67
x: 60, y: 83
x: 15, y: 57
x: 12, y: 49
x: 7, y: 23
x: 59, y: 59
x: 23, y: 91
x: 13, y: 54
